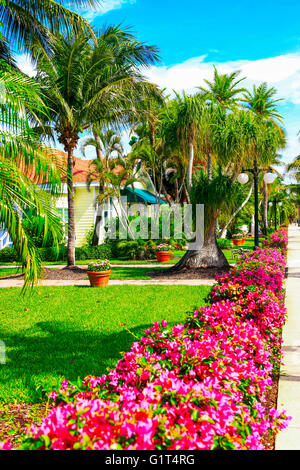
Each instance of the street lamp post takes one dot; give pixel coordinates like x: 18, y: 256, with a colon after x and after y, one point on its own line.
x: 280, y: 205
x: 243, y: 179
x: 270, y: 205
x: 275, y: 200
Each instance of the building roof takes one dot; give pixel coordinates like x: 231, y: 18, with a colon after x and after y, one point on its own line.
x: 142, y: 196
x: 80, y: 172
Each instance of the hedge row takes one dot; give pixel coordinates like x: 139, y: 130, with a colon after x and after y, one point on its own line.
x: 9, y: 255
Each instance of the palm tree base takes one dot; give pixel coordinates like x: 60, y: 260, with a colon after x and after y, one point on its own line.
x: 209, y: 256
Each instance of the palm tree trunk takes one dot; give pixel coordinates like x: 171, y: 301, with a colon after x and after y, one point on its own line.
x: 209, y: 167
x: 190, y: 166
x: 96, y: 234
x: 71, y: 210
x: 265, y: 207
x: 209, y: 255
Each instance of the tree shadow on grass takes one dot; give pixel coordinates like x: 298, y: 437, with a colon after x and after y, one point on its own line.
x: 39, y: 359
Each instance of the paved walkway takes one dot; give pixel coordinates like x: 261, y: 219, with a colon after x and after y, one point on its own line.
x: 84, y: 266
x: 289, y: 383
x: 4, y: 283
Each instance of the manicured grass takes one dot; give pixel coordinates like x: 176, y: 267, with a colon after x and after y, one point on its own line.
x: 116, y: 273
x: 248, y: 245
x: 76, y: 331
x: 132, y: 273
x: 9, y: 271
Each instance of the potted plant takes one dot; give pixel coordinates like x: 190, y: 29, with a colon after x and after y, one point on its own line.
x: 163, y: 252
x: 99, y: 273
x: 238, y: 239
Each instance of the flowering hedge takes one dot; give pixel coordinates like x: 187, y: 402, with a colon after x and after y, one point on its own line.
x: 201, y: 385
x: 278, y: 240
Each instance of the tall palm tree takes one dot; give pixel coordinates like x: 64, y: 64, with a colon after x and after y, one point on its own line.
x: 30, y: 23
x: 262, y: 103
x: 23, y: 159
x: 185, y: 113
x: 222, y: 93
x: 90, y: 82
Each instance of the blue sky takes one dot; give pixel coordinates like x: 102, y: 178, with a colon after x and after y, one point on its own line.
x: 260, y: 38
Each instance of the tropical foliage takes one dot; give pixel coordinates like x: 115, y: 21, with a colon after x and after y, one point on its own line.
x: 23, y: 160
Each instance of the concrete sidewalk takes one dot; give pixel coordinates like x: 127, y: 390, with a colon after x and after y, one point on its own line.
x: 6, y: 283
x: 84, y: 266
x: 289, y: 383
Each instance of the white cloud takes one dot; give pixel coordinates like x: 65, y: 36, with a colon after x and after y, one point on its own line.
x: 105, y: 7
x: 283, y: 72
x: 24, y: 63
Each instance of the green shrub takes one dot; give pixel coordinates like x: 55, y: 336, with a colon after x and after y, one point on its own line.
x: 8, y: 255
x: 48, y: 254
x: 93, y: 252
x: 133, y: 249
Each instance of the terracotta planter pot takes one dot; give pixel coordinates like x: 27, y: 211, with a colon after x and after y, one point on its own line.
x: 238, y: 241
x: 163, y: 256
x: 98, y: 279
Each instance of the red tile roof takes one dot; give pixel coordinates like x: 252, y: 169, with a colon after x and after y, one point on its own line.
x: 80, y: 171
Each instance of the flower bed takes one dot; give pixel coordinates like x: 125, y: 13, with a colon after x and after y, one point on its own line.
x: 201, y: 385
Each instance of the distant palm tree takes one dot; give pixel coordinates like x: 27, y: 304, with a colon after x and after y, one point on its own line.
x: 261, y: 102
x: 107, y: 145
x: 92, y: 81
x: 223, y: 89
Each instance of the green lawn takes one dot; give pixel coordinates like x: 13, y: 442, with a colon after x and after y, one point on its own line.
x: 75, y: 331
x: 132, y: 273
x: 116, y: 273
x: 249, y: 244
x: 9, y: 271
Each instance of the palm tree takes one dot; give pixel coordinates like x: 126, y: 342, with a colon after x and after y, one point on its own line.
x: 30, y: 23
x: 237, y: 139
x: 22, y: 159
x: 262, y: 103
x: 90, y: 82
x: 223, y: 93
x: 223, y: 89
x: 107, y: 145
x: 185, y: 113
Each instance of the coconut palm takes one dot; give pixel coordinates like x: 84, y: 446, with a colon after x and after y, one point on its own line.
x: 293, y: 168
x: 22, y: 161
x: 30, y: 23
x: 90, y: 82
x: 223, y: 90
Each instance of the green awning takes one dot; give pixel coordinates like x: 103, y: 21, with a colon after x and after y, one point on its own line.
x: 141, y: 195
